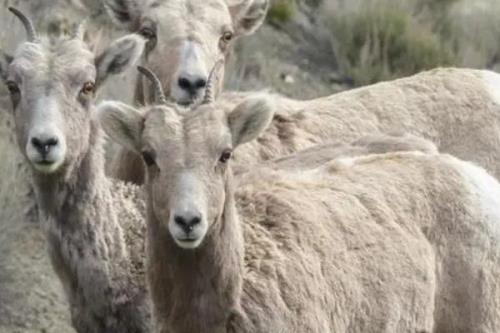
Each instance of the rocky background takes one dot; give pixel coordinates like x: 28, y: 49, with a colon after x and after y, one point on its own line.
x: 307, y: 48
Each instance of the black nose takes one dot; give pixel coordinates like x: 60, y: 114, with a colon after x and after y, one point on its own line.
x: 187, y: 223
x: 192, y: 84
x: 43, y: 146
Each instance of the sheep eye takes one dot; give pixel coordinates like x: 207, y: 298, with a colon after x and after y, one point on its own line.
x: 227, y: 37
x: 147, y: 33
x: 149, y: 158
x: 225, y: 156
x: 88, y: 88
x: 13, y: 87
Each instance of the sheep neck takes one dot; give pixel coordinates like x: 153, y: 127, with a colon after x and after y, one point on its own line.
x: 198, y: 290
x: 79, y: 220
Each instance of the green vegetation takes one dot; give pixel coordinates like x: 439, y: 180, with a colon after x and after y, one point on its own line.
x: 376, y: 40
x: 383, y: 41
x: 281, y: 11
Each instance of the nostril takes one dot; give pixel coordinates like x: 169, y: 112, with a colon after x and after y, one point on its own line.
x: 37, y: 143
x: 200, y: 83
x: 44, y: 146
x: 180, y: 220
x: 187, y: 223
x: 184, y: 83
x: 51, y: 142
x: 195, y: 220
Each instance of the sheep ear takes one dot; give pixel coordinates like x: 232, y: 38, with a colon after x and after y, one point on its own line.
x: 249, y: 15
x: 5, y: 60
x: 119, y: 56
x: 122, y: 123
x: 122, y: 12
x: 249, y: 119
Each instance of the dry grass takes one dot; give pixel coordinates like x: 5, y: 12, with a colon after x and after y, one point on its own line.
x: 382, y: 41
x: 377, y: 40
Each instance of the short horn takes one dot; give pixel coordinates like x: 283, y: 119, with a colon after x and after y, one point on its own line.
x: 28, y: 25
x: 158, y: 89
x: 212, y: 83
x: 79, y: 32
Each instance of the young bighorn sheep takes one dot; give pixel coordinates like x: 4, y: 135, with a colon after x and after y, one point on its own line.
x: 397, y: 242
x: 456, y: 108
x: 186, y: 38
x: 94, y: 226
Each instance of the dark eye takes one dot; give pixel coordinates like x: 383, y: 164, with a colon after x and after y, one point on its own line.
x: 13, y: 87
x: 227, y: 37
x: 149, y: 158
x: 226, y: 155
x: 88, y: 88
x: 148, y: 33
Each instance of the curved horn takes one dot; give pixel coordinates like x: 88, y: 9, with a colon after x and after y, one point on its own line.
x: 159, y: 94
x: 212, y: 83
x: 28, y: 25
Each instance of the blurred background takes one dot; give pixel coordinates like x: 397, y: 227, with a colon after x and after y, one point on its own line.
x: 310, y: 48
x: 306, y: 49
x: 317, y: 47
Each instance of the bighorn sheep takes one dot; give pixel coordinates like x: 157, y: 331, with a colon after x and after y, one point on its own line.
x: 458, y: 109
x: 397, y: 242
x: 186, y: 38
x: 94, y: 226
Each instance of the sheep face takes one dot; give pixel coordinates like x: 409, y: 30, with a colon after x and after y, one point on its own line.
x: 187, y: 156
x: 52, y: 88
x: 187, y: 37
x: 188, y: 197
x: 52, y: 85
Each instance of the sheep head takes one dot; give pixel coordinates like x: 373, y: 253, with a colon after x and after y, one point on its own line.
x: 187, y: 37
x: 52, y: 83
x: 187, y: 157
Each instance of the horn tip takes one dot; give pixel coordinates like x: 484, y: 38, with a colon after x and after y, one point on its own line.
x: 32, y: 36
x: 143, y: 69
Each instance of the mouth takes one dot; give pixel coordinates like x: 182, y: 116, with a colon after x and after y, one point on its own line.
x: 188, y: 243
x: 186, y: 102
x: 188, y: 240
x: 45, y: 162
x: 46, y: 166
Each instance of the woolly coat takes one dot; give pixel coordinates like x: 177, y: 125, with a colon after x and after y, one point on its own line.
x: 402, y: 242
x: 457, y: 109
x: 30, y: 294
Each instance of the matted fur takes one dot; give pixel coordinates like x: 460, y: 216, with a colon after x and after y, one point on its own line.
x: 454, y: 108
x: 394, y: 243
x: 343, y: 153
